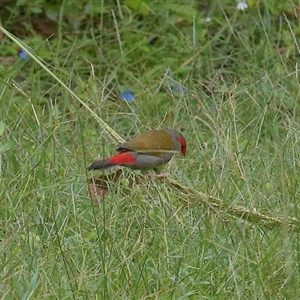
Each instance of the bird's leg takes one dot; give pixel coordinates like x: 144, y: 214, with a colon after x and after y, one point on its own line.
x: 157, y: 175
x: 160, y: 175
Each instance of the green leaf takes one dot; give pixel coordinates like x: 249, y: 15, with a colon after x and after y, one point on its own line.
x: 1, y: 128
x: 138, y: 5
x: 6, y: 146
x: 36, y: 10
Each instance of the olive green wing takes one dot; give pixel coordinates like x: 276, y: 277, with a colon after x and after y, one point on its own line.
x: 150, y: 142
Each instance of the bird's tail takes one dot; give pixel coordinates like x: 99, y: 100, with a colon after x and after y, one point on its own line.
x: 101, y: 165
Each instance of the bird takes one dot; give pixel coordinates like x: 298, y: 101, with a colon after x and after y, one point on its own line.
x: 146, y: 151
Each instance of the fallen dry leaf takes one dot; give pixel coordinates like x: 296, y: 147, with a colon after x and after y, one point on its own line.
x: 98, y: 187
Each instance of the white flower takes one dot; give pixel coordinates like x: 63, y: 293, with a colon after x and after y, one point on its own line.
x: 242, y: 5
x: 207, y: 19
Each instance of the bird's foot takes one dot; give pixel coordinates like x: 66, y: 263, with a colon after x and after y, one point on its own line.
x: 161, y: 175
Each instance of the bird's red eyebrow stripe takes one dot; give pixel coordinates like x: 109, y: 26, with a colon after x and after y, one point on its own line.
x: 121, y: 158
x: 183, y: 144
x: 180, y: 140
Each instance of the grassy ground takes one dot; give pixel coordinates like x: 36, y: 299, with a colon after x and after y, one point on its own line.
x: 240, y: 115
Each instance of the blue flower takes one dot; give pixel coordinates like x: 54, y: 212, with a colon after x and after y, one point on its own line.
x: 23, y: 54
x: 128, y: 96
x: 178, y: 89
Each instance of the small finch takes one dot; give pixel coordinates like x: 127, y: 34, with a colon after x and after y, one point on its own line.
x: 146, y: 151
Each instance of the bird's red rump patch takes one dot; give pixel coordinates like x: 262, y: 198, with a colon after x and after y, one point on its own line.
x: 122, y: 158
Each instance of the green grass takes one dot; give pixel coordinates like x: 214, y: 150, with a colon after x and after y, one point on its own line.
x: 239, y: 114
